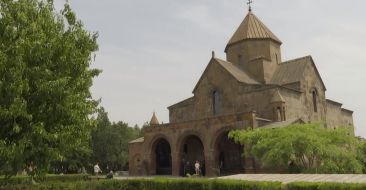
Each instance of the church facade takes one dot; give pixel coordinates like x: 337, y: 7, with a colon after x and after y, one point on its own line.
x: 252, y: 88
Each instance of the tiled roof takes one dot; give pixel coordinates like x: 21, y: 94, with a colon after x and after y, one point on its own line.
x: 293, y: 71
x: 252, y: 28
x: 236, y: 72
x: 290, y: 71
x: 139, y: 140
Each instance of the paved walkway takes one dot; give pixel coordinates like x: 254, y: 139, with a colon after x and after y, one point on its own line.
x: 288, y: 178
x: 284, y: 178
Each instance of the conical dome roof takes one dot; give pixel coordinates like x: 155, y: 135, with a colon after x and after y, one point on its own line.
x: 252, y: 28
x: 154, y: 120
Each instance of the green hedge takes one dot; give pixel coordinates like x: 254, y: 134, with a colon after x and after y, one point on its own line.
x: 49, y: 178
x: 156, y: 184
x: 182, y: 184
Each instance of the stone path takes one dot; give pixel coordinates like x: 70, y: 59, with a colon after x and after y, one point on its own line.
x: 288, y: 178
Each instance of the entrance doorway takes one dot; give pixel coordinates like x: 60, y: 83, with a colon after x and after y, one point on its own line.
x: 229, y: 156
x: 192, y: 150
x: 163, y: 158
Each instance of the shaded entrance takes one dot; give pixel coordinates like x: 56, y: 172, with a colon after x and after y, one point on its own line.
x: 229, y: 156
x: 192, y: 150
x: 163, y: 158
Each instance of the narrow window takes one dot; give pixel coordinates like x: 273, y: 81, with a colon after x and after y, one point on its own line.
x: 315, y: 99
x: 239, y: 59
x: 215, y: 102
x: 276, y: 58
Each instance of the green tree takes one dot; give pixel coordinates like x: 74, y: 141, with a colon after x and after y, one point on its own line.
x: 362, y: 153
x: 110, y: 141
x: 45, y: 102
x: 310, y: 147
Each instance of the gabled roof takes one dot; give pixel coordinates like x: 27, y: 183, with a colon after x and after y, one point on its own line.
x: 277, y: 97
x: 238, y: 74
x: 333, y: 102
x: 347, y: 110
x: 293, y: 71
x: 290, y: 71
x: 281, y: 124
x: 185, y: 102
x: 252, y: 28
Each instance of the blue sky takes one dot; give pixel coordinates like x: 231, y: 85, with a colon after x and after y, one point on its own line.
x: 152, y: 53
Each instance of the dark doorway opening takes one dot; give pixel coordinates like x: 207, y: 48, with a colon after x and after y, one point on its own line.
x: 192, y: 150
x: 163, y: 158
x: 229, y: 156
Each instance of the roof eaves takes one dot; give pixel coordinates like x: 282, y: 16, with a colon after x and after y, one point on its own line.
x: 334, y: 102
x: 317, y: 72
x: 203, y: 74
x: 139, y: 140
x: 181, y: 102
x: 347, y: 110
x: 250, y: 39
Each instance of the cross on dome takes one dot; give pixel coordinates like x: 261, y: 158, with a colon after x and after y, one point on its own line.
x: 250, y: 4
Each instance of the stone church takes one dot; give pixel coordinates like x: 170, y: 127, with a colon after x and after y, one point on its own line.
x: 252, y: 88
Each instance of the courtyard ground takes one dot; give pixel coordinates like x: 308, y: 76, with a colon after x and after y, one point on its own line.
x: 284, y: 178
x: 288, y: 178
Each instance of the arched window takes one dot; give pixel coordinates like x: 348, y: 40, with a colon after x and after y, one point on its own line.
x: 315, y: 99
x: 215, y: 102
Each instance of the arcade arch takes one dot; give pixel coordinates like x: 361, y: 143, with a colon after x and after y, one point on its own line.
x: 163, y: 158
x: 228, y: 155
x: 191, y: 149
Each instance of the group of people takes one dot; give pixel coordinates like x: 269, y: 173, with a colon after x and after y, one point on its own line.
x: 98, y: 171
x: 198, y: 168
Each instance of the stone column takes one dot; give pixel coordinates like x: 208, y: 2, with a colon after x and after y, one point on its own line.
x: 175, y: 163
x: 212, y: 169
x: 149, y: 165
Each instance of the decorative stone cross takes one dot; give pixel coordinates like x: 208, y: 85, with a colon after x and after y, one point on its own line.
x: 250, y: 4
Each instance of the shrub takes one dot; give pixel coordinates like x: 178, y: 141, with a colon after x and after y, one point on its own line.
x: 25, y: 180
x: 182, y: 184
x: 155, y: 184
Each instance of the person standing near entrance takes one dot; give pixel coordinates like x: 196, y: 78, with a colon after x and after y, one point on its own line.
x: 197, y: 167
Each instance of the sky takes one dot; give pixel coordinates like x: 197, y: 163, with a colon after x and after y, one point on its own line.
x: 152, y: 53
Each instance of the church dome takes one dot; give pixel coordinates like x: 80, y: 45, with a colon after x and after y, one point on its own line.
x: 252, y: 28
x: 154, y: 120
